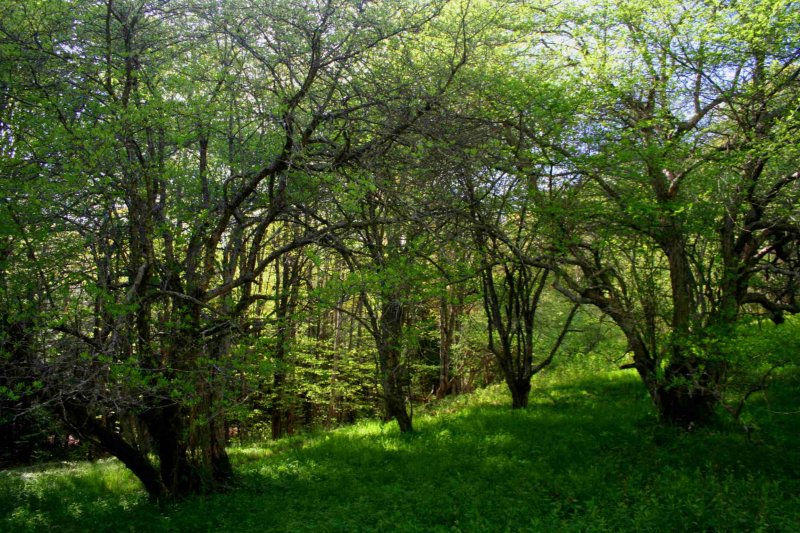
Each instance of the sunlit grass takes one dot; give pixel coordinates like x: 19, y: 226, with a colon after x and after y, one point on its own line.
x: 587, y: 455
x: 49, y: 497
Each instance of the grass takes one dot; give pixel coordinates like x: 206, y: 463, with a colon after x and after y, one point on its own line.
x: 587, y: 455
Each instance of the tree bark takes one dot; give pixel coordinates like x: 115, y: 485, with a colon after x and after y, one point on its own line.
x: 287, y: 274
x: 79, y: 417
x: 520, y: 392
x: 448, y: 317
x: 278, y: 413
x: 681, y: 401
x: 393, y: 371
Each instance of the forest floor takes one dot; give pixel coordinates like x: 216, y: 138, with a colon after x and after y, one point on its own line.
x: 587, y: 455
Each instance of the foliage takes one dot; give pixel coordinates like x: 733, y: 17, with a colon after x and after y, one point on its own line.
x: 220, y: 220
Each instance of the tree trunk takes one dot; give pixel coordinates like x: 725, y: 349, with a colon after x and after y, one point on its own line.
x: 207, y: 433
x: 520, y: 391
x: 191, y: 448
x: 78, y: 416
x: 391, y: 364
x: 685, y: 397
x: 396, y: 408
x: 276, y: 410
x: 682, y: 396
x: 684, y: 406
x: 685, y: 403
x: 287, y: 274
x: 682, y: 284
x: 448, y: 314
x: 189, y: 432
x: 335, y: 397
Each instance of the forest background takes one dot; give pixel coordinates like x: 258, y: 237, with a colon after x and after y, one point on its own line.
x: 233, y: 220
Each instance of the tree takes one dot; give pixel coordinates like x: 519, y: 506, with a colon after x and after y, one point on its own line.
x: 186, y: 136
x: 683, y: 153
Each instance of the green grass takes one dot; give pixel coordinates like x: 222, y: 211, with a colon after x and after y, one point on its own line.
x: 587, y: 455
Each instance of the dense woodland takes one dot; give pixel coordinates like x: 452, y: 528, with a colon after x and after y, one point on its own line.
x: 237, y: 220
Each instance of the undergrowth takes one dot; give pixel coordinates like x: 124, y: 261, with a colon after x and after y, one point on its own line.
x: 587, y: 455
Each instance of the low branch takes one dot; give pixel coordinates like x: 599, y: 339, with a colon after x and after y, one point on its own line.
x: 558, y: 342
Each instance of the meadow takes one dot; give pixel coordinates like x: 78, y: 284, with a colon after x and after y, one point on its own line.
x: 587, y: 455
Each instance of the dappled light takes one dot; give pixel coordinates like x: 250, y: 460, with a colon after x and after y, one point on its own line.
x: 588, y: 454
x: 399, y: 265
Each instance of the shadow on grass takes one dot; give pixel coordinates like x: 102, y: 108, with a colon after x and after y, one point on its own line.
x: 591, y: 457
x: 587, y: 456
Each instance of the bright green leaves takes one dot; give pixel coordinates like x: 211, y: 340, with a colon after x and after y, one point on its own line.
x: 762, y: 26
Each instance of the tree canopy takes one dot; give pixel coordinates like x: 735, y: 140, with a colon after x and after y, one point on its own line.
x: 217, y: 217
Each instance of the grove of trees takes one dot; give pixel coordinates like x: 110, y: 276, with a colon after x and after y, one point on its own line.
x: 222, y: 218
